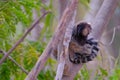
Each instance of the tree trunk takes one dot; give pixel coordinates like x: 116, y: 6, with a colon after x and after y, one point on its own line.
x: 99, y: 23
x: 56, y: 39
x: 95, y: 5
x: 103, y: 17
x: 94, y: 8
x: 62, y: 5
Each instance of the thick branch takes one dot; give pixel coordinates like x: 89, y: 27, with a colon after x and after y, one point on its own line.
x: 3, y: 52
x: 56, y: 39
x: 107, y: 7
x: 62, y: 6
x: 64, y: 52
x: 21, y: 39
x: 98, y: 25
x: 94, y: 7
x: 102, y: 18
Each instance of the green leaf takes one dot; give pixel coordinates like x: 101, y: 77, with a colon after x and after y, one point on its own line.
x: 104, y: 72
x: 85, y: 2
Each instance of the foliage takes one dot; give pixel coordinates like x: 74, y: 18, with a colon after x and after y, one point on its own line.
x: 15, y: 17
x: 12, y: 12
x: 85, y: 2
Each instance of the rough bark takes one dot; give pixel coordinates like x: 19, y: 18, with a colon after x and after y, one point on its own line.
x: 58, y: 37
x: 64, y: 53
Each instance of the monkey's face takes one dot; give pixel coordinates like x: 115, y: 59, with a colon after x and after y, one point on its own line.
x: 86, y: 31
x: 81, y: 32
x: 83, y: 29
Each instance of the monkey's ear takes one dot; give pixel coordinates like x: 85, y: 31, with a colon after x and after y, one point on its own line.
x: 74, y: 31
x: 80, y: 27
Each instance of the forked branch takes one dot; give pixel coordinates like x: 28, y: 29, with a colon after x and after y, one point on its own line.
x: 22, y: 38
x: 3, y: 52
x: 55, y: 41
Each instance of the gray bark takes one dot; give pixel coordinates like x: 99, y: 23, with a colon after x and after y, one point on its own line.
x: 99, y: 24
x: 56, y: 39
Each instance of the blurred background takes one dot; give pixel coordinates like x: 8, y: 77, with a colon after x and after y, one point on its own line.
x: 16, y: 16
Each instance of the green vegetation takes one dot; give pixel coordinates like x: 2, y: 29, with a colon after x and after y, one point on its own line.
x: 15, y: 12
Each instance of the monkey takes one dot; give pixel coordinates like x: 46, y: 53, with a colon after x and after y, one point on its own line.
x: 82, y: 49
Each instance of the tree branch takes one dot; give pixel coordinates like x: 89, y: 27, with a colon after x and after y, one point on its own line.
x: 62, y: 5
x: 56, y: 39
x: 3, y: 52
x: 21, y: 39
x: 103, y: 17
x: 112, y: 30
x: 64, y: 53
x: 100, y: 22
x: 107, y: 8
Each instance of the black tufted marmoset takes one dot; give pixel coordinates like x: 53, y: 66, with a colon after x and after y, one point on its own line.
x: 82, y: 49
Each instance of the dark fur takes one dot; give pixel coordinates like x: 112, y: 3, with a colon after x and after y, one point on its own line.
x: 78, y: 40
x: 77, y: 33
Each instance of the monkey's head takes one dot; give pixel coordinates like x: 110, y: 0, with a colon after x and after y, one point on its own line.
x: 81, y: 31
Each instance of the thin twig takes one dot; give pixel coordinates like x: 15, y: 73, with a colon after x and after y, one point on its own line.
x: 25, y: 71
x: 114, y: 31
x: 111, y: 30
x: 101, y: 51
x: 112, y: 37
x: 22, y: 38
x: 5, y: 6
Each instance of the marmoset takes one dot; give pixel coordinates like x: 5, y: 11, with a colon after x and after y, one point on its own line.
x: 82, y: 49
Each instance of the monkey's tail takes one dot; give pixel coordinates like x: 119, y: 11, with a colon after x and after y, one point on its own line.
x: 75, y: 59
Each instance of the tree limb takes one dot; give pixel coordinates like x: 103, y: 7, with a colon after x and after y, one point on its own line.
x: 112, y: 30
x: 99, y: 23
x: 56, y: 39
x: 22, y: 38
x: 103, y: 17
x: 64, y: 53
x: 3, y: 52
x: 104, y: 14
